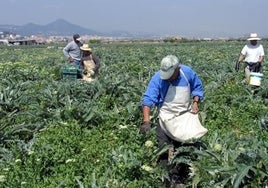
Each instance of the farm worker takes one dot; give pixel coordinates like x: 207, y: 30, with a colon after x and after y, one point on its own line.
x: 176, y: 89
x: 253, y: 54
x: 91, y: 63
x: 73, y: 52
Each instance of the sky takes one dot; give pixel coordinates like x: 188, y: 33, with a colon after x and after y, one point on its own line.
x: 189, y: 18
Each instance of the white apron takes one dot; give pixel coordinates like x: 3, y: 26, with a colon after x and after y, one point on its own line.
x: 89, y: 65
x: 175, y: 117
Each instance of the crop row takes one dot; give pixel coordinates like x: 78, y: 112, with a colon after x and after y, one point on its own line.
x: 70, y: 133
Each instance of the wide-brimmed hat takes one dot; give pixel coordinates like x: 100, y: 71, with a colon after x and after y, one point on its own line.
x: 85, y: 47
x: 168, y: 66
x: 253, y: 36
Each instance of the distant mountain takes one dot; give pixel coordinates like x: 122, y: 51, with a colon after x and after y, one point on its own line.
x: 59, y: 27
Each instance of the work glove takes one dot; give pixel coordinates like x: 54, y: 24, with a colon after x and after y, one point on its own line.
x: 237, y: 65
x: 258, y: 66
x: 145, y: 127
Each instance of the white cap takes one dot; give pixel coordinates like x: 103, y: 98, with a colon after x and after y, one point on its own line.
x: 168, y: 66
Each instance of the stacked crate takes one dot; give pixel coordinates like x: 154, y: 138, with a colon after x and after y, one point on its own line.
x: 69, y: 72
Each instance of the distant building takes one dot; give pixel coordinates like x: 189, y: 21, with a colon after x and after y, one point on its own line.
x: 3, y: 42
x: 207, y: 39
x: 22, y: 42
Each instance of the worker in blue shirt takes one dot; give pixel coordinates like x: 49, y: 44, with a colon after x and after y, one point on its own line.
x: 175, y: 89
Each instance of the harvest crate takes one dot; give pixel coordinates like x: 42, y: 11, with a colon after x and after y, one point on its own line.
x: 69, y: 72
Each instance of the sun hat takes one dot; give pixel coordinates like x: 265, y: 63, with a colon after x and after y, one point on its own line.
x: 168, y: 66
x: 76, y: 37
x: 85, y: 47
x: 253, y: 36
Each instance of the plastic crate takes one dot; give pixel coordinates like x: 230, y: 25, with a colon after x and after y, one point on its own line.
x: 69, y: 72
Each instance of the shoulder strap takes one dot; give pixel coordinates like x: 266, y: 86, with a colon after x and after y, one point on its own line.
x: 182, y: 73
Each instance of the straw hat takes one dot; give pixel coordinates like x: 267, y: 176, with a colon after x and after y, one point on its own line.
x: 253, y: 36
x: 85, y: 47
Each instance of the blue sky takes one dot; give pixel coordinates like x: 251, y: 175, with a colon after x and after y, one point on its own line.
x: 206, y: 18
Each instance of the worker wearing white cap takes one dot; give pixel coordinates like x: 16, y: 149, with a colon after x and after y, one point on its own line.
x: 177, y: 91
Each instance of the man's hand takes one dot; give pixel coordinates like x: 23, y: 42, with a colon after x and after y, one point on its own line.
x: 237, y: 66
x: 195, y: 108
x: 70, y: 59
x: 145, y: 127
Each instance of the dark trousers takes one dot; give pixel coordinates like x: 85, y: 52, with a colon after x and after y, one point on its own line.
x: 179, y: 170
x: 253, y: 67
x: 164, y: 139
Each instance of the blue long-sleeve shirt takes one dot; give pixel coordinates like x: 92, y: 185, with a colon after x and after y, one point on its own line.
x: 157, y: 88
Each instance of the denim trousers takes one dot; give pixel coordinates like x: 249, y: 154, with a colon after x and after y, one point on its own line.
x: 77, y: 64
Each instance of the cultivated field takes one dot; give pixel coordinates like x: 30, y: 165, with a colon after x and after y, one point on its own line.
x: 64, y: 133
